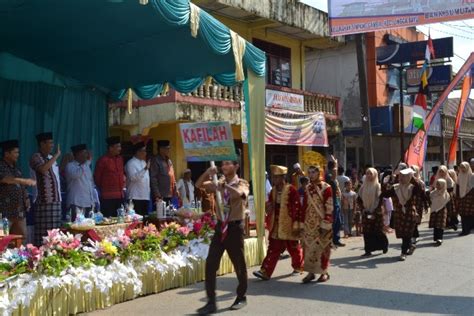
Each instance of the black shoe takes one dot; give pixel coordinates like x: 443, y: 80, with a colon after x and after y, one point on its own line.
x: 367, y: 254
x: 259, y: 274
x: 411, y: 250
x: 209, y: 308
x: 455, y: 227
x: 438, y: 243
x: 239, y: 303
x: 463, y: 234
x: 385, y: 250
x: 339, y: 244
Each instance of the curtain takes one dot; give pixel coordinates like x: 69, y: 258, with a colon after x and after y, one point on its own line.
x: 73, y: 115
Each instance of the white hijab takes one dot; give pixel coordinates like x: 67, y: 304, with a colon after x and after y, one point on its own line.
x: 449, y: 181
x: 370, y: 191
x: 404, y: 191
x: 439, y: 198
x: 465, y: 179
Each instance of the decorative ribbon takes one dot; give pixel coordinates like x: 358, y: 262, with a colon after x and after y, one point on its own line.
x: 129, y: 100
x: 238, y: 47
x: 194, y: 18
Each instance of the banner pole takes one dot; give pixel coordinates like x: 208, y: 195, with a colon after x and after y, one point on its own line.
x: 218, y: 193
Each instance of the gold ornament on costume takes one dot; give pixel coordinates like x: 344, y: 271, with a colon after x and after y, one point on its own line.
x: 312, y: 158
x: 278, y: 170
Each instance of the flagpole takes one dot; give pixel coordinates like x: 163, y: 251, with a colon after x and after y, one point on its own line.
x: 402, y: 115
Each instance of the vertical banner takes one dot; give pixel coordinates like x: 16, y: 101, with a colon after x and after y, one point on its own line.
x: 415, y: 155
x: 466, y: 90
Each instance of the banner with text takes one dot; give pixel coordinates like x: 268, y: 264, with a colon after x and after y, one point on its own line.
x: 285, y: 127
x: 208, y: 141
x: 284, y: 100
x: 354, y: 16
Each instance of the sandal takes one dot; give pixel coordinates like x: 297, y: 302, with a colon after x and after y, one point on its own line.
x: 323, y: 278
x: 310, y: 277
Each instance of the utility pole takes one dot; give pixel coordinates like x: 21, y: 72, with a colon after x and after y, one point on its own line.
x: 402, y: 115
x: 442, y: 150
x: 364, y: 99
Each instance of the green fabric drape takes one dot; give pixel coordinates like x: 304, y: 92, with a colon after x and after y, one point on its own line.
x: 73, y: 115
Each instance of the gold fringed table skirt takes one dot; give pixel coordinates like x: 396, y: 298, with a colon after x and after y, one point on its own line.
x: 66, y: 300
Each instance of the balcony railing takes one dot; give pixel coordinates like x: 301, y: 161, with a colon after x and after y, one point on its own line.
x: 314, y: 102
x: 218, y: 92
x: 467, y: 126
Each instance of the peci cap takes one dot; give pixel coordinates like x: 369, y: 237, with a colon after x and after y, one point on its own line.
x: 112, y: 140
x: 138, y: 146
x: 278, y: 170
x: 9, y: 145
x: 77, y: 148
x: 41, y: 137
x: 163, y: 143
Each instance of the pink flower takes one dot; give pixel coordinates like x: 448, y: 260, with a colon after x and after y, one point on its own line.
x: 184, y: 230
x: 197, y: 227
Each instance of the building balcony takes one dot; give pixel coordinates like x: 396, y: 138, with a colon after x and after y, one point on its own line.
x: 466, y: 130
x: 209, y: 102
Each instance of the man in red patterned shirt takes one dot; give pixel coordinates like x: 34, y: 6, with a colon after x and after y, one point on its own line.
x: 110, y: 178
x: 283, y: 213
x: 317, y: 237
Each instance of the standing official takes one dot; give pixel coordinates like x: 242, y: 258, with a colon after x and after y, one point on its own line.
x: 138, y: 179
x: 162, y: 177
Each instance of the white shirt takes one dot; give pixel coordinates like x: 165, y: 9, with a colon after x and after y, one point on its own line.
x: 80, y: 184
x: 138, y: 180
x: 181, y: 187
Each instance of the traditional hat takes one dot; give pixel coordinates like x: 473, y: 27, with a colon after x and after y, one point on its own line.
x: 407, y: 171
x: 78, y: 148
x: 163, y: 143
x: 41, y: 137
x: 9, y: 145
x: 112, y: 140
x: 296, y: 166
x: 138, y: 146
x: 278, y: 170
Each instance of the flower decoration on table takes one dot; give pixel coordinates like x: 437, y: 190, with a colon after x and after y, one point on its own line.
x: 19, y: 260
x: 204, y: 227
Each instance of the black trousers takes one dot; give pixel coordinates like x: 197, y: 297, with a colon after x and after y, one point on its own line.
x: 140, y: 206
x: 467, y: 223
x: 109, y: 207
x: 234, y: 245
x: 375, y: 241
x: 438, y: 234
x: 406, y: 244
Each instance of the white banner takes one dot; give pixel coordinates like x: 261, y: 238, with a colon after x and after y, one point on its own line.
x: 284, y: 100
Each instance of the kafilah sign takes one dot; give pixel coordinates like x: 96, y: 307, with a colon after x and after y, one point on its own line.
x: 284, y: 100
x: 355, y: 16
x: 285, y: 127
x: 208, y: 141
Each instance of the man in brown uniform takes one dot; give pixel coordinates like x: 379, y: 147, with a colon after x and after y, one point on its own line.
x: 229, y: 233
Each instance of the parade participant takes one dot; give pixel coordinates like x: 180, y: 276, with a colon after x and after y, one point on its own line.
x: 452, y: 219
x: 14, y: 201
x: 421, y: 204
x: 317, y: 233
x: 465, y: 197
x: 79, y: 180
x: 48, y: 196
x: 369, y: 202
x: 285, y: 225
x: 336, y: 198
x: 110, y: 178
x: 229, y: 233
x: 162, y: 177
x: 341, y: 177
x: 404, y: 195
x: 185, y: 188
x: 138, y: 179
x: 434, y: 171
x: 439, y: 198
x: 349, y: 202
x: 297, y: 175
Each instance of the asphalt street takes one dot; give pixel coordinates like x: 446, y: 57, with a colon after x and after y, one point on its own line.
x: 435, y: 280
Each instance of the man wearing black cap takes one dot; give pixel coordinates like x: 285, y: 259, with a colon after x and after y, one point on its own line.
x: 14, y: 201
x: 48, y: 199
x: 138, y: 179
x: 109, y: 177
x: 162, y: 178
x: 80, y: 185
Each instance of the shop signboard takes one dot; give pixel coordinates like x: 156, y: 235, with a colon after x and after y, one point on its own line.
x: 439, y: 78
x: 284, y: 100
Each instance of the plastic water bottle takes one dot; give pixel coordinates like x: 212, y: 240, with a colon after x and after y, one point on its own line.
x: 98, y: 217
x: 6, y: 226
x: 120, y: 214
x: 68, y: 219
x: 193, y: 205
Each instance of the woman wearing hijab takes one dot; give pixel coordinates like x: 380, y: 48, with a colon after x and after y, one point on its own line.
x: 370, y: 203
x: 439, y: 198
x: 405, y: 195
x: 465, y: 197
x: 452, y: 219
x: 421, y: 204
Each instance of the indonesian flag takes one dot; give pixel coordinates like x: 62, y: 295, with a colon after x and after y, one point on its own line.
x: 420, y: 106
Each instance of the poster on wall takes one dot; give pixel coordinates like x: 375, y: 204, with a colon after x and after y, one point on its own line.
x: 208, y: 141
x: 355, y: 16
x: 285, y: 127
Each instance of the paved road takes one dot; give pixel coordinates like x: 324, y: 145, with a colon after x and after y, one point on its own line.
x: 433, y: 280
